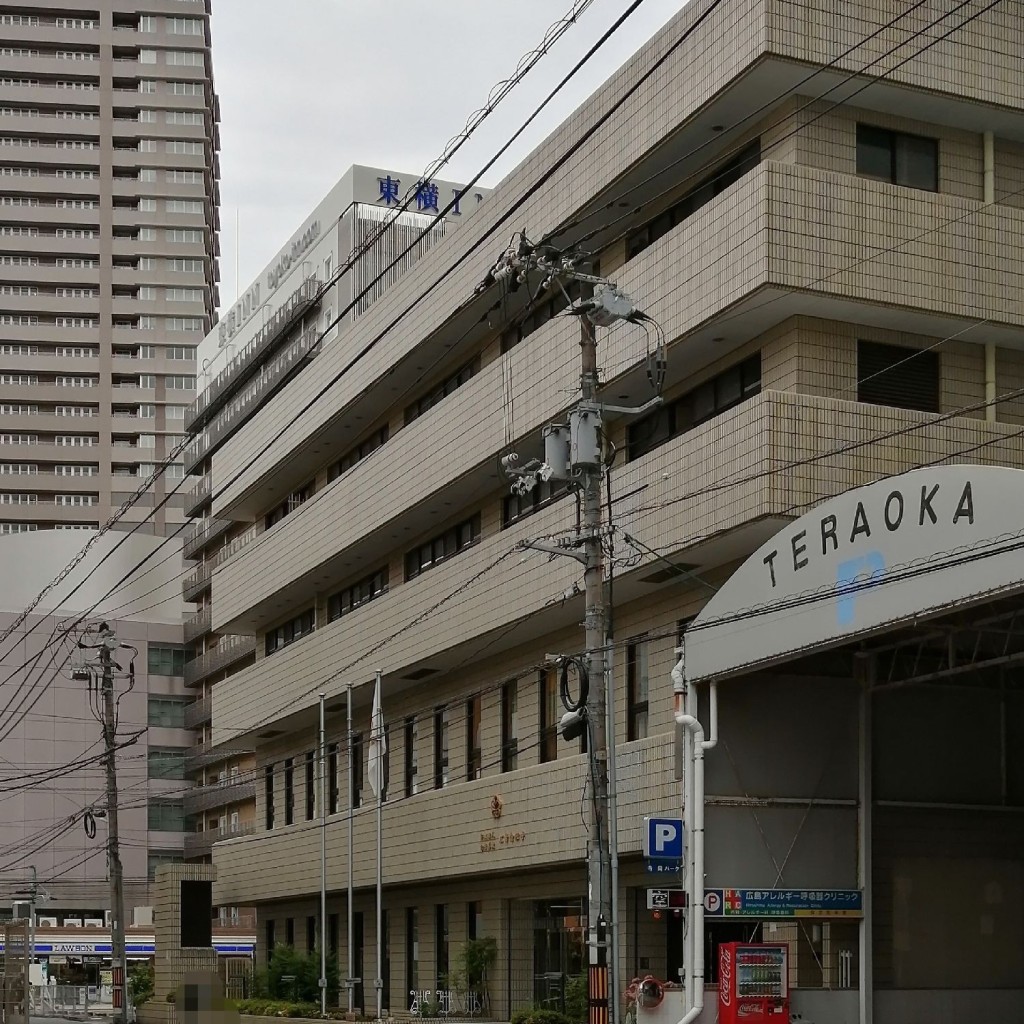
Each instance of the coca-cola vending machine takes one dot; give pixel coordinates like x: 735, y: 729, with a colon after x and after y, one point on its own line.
x: 753, y: 983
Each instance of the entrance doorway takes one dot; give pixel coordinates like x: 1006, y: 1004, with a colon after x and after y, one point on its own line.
x: 559, y: 950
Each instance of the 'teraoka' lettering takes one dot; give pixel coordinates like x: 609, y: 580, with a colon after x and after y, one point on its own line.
x: 898, y: 511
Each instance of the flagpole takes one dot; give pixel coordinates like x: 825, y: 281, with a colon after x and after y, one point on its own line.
x: 379, y: 727
x: 323, y: 866
x: 351, y: 916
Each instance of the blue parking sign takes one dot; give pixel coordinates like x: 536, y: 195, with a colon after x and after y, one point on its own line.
x: 663, y: 839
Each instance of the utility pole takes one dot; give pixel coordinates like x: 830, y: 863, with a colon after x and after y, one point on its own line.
x: 574, y: 453
x: 107, y: 646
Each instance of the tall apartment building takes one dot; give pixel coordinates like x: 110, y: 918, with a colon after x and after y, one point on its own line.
x: 842, y: 289
x: 108, y: 242
x: 281, y: 322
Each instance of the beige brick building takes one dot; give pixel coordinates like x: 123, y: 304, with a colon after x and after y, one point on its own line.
x: 838, y: 272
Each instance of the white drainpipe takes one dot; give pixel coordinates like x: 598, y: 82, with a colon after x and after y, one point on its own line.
x: 695, y: 821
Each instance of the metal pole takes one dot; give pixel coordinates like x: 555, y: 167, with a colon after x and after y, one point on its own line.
x: 379, y: 726
x: 323, y: 864
x: 865, y: 672
x: 351, y: 912
x: 599, y: 910
x: 613, y: 833
x: 109, y: 642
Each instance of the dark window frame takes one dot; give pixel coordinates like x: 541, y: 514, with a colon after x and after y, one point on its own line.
x: 297, y: 497
x: 899, y: 377
x: 311, y: 943
x: 442, y: 943
x: 310, y: 785
x: 412, y: 960
x: 289, y: 792
x: 440, y: 548
x: 714, y: 184
x: 726, y: 390
x: 515, y: 507
x: 355, y: 791
x: 333, y: 788
x: 474, y: 738
x: 637, y: 705
x: 176, y: 661
x: 357, y: 453
x: 440, y: 391
x: 412, y: 762
x: 510, y: 718
x: 442, y: 747
x: 547, y: 689
x: 357, y: 594
x: 873, y: 142
x: 288, y: 632
x: 289, y: 932
x: 268, y: 796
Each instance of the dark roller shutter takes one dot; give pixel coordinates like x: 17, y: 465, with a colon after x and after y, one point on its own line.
x: 893, y: 375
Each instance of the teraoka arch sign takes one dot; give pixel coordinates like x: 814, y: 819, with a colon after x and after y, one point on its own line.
x: 902, y: 548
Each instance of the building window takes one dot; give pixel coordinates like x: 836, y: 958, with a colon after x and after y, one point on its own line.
x: 906, y: 378
x: 358, y: 453
x: 333, y: 935
x: 268, y: 795
x: 412, y: 953
x: 440, y: 943
x: 355, y: 793
x: 357, y: 594
x: 442, y: 719
x: 636, y: 689
x: 474, y: 750
x: 540, y: 313
x: 437, y: 549
x: 510, y: 726
x: 158, y: 857
x: 166, y: 764
x: 167, y: 712
x: 549, y: 717
x: 441, y: 391
x: 310, y: 785
x: 289, y: 932
x: 474, y: 921
x: 333, y: 790
x: 517, y: 506
x: 411, y: 757
x: 713, y: 185
x: 271, y: 939
x: 311, y: 942
x: 289, y: 792
x: 896, y: 157
x: 166, y: 661
x: 729, y: 388
x: 302, y: 625
x: 289, y: 505
x: 167, y: 816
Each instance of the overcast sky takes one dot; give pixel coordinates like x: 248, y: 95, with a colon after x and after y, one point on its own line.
x: 309, y: 87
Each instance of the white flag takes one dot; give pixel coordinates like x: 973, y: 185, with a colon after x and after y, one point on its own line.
x: 378, y: 746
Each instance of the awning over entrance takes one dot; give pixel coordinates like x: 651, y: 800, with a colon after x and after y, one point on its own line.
x: 904, y: 548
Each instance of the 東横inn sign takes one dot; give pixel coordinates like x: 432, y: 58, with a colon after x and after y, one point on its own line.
x: 901, y: 548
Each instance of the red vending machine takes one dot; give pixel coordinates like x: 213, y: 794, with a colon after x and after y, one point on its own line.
x: 753, y: 984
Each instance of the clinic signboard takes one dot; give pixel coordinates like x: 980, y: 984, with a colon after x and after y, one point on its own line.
x: 903, y: 548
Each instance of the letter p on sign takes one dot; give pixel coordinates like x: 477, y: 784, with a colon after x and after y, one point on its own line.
x: 663, y: 838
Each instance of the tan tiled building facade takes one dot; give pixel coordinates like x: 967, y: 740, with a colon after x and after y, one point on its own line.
x: 838, y: 272
x: 108, y: 239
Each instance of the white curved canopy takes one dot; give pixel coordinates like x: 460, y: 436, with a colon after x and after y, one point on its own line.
x: 906, y: 547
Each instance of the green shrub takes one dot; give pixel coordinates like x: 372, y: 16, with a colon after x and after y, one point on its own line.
x: 539, y: 1016
x: 140, y: 984
x: 577, y: 999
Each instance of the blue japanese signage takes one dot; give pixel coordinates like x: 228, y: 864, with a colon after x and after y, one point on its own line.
x: 783, y: 903
x: 427, y: 195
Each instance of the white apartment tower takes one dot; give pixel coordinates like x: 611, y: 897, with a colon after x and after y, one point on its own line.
x: 108, y: 243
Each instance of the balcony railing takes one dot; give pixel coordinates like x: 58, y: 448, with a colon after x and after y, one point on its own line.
x: 195, y: 583
x: 200, y: 844
x: 198, y: 713
x: 202, y: 533
x: 229, y: 650
x: 197, y: 625
x: 198, y: 494
x: 221, y: 386
x: 202, y: 755
x: 218, y: 794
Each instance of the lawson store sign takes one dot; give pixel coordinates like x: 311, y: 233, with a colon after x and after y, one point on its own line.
x: 143, y: 946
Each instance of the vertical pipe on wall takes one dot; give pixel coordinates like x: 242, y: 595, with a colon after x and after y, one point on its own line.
x: 865, y: 678
x: 988, y: 197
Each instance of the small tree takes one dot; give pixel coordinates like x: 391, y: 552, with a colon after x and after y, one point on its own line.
x: 469, y: 978
x: 303, y: 973
x: 140, y: 984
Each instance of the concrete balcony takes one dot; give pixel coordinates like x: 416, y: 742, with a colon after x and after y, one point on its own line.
x: 202, y: 755
x: 199, y: 535
x: 227, y: 381
x: 198, y: 494
x: 218, y: 794
x: 198, y: 713
x: 200, y: 844
x: 195, y: 583
x: 229, y: 650
x: 197, y: 624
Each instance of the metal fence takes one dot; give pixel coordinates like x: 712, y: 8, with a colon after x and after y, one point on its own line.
x: 69, y: 1001
x: 15, y: 972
